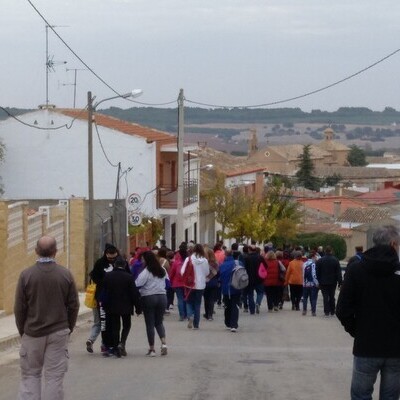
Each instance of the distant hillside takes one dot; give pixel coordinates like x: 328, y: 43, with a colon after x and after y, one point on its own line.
x: 167, y: 119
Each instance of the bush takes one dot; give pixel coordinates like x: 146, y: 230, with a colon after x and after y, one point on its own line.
x: 315, y: 239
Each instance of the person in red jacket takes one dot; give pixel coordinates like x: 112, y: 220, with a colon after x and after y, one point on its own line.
x: 273, y: 284
x: 176, y: 279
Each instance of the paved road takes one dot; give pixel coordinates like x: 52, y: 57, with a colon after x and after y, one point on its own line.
x: 272, y: 356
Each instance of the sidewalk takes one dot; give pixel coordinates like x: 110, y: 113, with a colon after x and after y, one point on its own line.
x: 9, y: 335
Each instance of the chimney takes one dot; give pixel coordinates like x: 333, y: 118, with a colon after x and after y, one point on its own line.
x: 339, y: 190
x: 336, y: 209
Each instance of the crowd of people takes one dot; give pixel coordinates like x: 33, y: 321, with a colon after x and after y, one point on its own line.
x: 47, y: 303
x: 153, y: 281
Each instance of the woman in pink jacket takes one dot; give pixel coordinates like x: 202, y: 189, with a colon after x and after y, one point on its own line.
x: 177, y: 281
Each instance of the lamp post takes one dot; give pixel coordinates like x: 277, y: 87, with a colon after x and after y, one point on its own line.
x: 179, y: 205
x: 91, y: 110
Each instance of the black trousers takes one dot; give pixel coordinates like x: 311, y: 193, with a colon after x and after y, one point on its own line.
x: 328, y: 294
x: 210, y: 296
x: 113, y: 327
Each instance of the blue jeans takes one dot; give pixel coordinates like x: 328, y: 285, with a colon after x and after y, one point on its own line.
x: 96, y: 328
x: 181, y: 302
x: 311, y: 292
x: 249, y: 294
x: 365, y: 371
x: 193, y: 304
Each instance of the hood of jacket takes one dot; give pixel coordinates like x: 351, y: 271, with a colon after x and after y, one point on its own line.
x: 381, y: 260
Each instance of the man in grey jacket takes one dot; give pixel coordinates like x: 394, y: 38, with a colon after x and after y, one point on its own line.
x: 46, y: 309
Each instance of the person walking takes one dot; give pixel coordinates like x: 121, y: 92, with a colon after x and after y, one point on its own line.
x: 329, y: 275
x: 212, y: 285
x: 294, y: 278
x: 201, y: 270
x: 272, y: 283
x: 119, y: 296
x: 230, y: 295
x: 152, y: 288
x: 368, y: 308
x: 310, y: 287
x: 46, y: 308
x: 101, y: 267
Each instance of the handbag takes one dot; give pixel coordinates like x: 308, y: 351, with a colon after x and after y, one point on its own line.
x: 282, y: 271
x: 262, y: 271
x: 90, y: 301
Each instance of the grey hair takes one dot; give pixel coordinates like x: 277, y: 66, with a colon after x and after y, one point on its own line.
x: 386, y: 235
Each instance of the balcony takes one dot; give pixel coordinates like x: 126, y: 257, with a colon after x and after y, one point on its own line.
x: 167, y: 195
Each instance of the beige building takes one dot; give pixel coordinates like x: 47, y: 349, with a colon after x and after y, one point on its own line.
x: 284, y: 159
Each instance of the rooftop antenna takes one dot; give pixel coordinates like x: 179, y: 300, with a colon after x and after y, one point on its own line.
x: 75, y: 78
x: 50, y: 62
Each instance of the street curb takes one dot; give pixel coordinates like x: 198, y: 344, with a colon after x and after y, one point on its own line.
x: 14, y: 340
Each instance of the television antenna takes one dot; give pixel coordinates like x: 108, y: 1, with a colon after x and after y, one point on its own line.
x: 75, y: 79
x: 50, y: 62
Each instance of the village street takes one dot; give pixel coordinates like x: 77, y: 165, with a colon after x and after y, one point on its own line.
x: 274, y: 356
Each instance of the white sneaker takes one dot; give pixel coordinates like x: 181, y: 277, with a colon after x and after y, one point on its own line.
x: 151, y: 353
x: 164, y: 350
x: 190, y: 323
x: 233, y: 329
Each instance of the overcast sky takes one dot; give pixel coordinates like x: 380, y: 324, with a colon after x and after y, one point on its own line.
x: 221, y: 52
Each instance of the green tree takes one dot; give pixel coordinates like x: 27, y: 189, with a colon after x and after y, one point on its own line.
x: 356, y: 156
x: 332, y: 180
x: 305, y: 175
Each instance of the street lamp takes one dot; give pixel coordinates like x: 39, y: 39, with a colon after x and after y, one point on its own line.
x: 91, y: 110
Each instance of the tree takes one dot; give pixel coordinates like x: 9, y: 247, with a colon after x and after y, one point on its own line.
x: 332, y: 180
x: 305, y: 175
x: 356, y: 156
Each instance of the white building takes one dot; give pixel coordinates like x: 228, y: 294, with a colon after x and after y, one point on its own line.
x: 46, y: 157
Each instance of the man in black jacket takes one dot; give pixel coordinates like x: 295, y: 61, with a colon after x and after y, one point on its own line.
x: 119, y: 296
x: 329, y: 275
x: 369, y: 309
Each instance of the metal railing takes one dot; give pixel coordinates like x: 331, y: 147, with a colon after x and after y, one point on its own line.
x: 167, y: 195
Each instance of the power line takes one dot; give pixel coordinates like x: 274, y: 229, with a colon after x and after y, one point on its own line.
x: 67, y: 126
x: 83, y: 62
x: 102, y: 147
x: 305, y: 94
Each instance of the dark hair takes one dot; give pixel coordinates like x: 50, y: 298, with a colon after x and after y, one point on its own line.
x: 328, y: 250
x: 198, y: 250
x: 217, y: 246
x: 359, y: 248
x: 162, y: 252
x: 120, y: 262
x: 153, y: 265
x: 234, y: 246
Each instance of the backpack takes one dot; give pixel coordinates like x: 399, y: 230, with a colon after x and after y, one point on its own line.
x: 188, y: 275
x: 308, y: 271
x: 239, y: 278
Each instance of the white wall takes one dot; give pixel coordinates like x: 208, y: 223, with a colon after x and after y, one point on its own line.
x: 43, y: 164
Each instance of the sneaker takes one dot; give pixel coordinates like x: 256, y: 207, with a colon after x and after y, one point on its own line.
x: 257, y: 309
x: 151, y: 353
x: 122, y: 351
x: 304, y: 312
x: 233, y: 329
x: 245, y: 310
x: 103, y: 348
x: 276, y: 309
x: 117, y: 352
x: 190, y: 323
x: 89, y: 345
x: 314, y: 314
x: 164, y: 350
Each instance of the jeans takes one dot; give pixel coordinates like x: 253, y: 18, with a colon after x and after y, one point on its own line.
x: 312, y: 293
x: 193, y: 304
x: 48, y: 354
x: 210, y: 296
x: 181, y: 302
x: 249, y: 294
x: 153, y: 310
x: 328, y: 294
x: 365, y: 371
x: 231, y: 312
x: 95, y: 331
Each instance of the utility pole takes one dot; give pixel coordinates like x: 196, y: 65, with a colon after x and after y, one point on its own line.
x: 90, y: 185
x: 180, y: 193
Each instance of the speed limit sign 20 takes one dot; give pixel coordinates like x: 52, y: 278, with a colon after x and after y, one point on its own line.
x: 133, y: 201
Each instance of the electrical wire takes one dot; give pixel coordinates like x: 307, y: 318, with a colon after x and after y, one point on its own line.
x: 102, y: 147
x: 67, y: 126
x: 84, y: 63
x: 302, y: 95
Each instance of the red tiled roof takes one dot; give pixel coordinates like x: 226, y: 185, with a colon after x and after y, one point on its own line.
x: 121, y: 126
x: 383, y: 196
x: 327, y: 204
